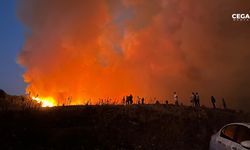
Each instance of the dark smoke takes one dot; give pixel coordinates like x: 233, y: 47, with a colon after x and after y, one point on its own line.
x: 99, y: 48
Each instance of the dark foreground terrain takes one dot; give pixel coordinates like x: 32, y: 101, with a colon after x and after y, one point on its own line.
x: 113, y: 127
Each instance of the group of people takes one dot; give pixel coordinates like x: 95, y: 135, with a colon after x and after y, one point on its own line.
x: 195, y: 100
x: 213, y: 101
x: 129, y: 100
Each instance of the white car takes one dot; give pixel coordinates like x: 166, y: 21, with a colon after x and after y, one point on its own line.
x: 234, y: 136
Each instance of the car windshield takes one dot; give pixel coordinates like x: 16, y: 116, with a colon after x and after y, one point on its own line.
x: 229, y: 132
x: 243, y: 134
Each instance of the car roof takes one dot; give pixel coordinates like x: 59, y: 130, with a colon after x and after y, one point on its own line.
x: 240, y: 123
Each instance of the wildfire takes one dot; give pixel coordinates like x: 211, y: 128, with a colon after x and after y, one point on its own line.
x: 46, y: 102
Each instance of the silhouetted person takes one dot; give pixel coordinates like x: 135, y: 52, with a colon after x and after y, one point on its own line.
x: 157, y: 102
x: 166, y: 102
x: 123, y: 100
x: 197, y: 98
x: 127, y: 100
x: 224, y: 103
x: 193, y: 99
x: 130, y: 99
x: 213, y: 101
x: 142, y: 100
x: 176, y: 98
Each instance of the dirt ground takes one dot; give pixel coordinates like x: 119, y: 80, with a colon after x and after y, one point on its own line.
x: 152, y: 127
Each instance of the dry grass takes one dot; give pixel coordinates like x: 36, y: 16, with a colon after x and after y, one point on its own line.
x: 113, y: 127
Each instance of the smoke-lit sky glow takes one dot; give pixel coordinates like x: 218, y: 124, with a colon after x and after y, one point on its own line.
x: 110, y: 48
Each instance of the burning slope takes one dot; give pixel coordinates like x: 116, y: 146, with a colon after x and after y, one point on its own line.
x: 46, y: 102
x: 79, y: 51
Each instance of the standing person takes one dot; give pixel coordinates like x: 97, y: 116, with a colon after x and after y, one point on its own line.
x: 131, y: 99
x: 142, y: 100
x: 127, y: 100
x: 166, y: 102
x: 193, y: 99
x: 176, y: 99
x: 224, y: 103
x: 213, y: 100
x: 197, y: 97
x: 123, y: 100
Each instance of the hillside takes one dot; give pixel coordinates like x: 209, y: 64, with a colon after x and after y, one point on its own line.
x: 113, y: 127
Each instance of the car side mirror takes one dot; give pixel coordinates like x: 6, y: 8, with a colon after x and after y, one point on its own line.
x: 245, y: 144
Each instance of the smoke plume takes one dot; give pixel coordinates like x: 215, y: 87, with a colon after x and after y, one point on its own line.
x: 91, y: 49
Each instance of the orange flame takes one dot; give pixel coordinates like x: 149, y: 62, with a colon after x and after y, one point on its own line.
x: 46, y: 102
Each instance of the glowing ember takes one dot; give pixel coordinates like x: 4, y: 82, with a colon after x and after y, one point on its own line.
x: 46, y: 102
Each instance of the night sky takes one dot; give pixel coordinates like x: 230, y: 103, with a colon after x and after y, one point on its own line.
x: 11, y: 41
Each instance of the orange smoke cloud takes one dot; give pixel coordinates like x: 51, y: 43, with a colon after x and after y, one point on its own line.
x: 70, y: 51
x: 110, y: 48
